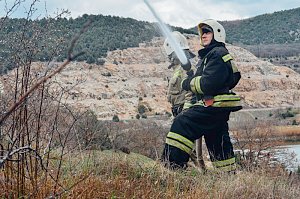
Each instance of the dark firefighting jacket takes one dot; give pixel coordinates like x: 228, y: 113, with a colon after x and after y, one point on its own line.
x: 214, y: 78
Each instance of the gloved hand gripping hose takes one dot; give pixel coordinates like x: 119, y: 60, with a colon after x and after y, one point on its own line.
x: 187, y: 66
x: 185, y: 84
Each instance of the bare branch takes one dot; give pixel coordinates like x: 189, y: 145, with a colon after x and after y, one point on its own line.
x: 10, y: 10
x: 24, y: 149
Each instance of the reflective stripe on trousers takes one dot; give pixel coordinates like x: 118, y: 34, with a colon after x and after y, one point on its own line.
x: 225, y: 165
x: 180, y: 142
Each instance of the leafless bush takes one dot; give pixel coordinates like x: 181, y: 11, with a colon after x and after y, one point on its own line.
x: 145, y: 137
x: 256, y: 146
x: 36, y: 126
x: 92, y: 133
x: 140, y: 136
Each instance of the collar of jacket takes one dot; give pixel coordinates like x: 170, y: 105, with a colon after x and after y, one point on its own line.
x: 204, y: 51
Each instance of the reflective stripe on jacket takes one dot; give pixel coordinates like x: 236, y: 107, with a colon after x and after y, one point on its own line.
x: 226, y: 100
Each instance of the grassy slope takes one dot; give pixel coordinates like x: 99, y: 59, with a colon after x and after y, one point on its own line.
x: 117, y: 175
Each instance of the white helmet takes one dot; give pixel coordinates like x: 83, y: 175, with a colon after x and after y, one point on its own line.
x: 180, y: 39
x: 218, y: 30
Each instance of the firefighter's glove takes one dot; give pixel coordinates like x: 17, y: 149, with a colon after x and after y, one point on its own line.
x: 185, y: 84
x: 190, y: 73
x: 187, y: 66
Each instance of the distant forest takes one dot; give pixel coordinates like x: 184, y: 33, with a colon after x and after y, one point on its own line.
x: 276, y: 28
x: 51, y: 37
x: 267, y: 35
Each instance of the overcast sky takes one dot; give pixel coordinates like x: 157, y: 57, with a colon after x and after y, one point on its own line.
x: 182, y: 13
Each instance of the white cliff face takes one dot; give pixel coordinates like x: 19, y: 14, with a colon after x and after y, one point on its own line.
x: 136, y: 77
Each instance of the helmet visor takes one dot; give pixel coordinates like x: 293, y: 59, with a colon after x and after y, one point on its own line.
x: 206, y: 29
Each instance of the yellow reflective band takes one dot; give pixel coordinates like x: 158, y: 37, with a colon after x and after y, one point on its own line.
x: 205, y: 60
x: 227, y: 104
x: 199, y: 103
x: 220, y: 104
x: 218, y: 98
x: 182, y: 82
x: 198, y: 87
x: 195, y: 85
x: 182, y: 139
x: 178, y: 145
x: 223, y: 101
x: 177, y: 73
x: 227, y: 168
x: 234, y: 68
x: 223, y: 163
x: 192, y: 84
x: 187, y: 105
x: 227, y: 57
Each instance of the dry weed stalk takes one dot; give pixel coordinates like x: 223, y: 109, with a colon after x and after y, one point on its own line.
x: 32, y: 125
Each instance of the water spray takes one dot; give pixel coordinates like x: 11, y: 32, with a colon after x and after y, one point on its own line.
x: 167, y: 34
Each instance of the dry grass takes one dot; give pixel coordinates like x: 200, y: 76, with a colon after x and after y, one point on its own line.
x: 132, y: 176
x: 288, y: 131
x: 117, y: 175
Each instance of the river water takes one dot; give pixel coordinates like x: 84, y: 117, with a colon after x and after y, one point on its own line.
x: 291, y: 152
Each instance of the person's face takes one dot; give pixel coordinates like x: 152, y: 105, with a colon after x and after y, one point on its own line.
x: 207, y: 38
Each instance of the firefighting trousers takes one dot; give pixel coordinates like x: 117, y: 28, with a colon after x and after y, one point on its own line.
x: 190, y: 125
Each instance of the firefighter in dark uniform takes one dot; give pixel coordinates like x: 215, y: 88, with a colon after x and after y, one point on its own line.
x: 211, y: 85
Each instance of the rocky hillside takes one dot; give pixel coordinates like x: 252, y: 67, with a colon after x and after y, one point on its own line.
x: 134, y: 80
